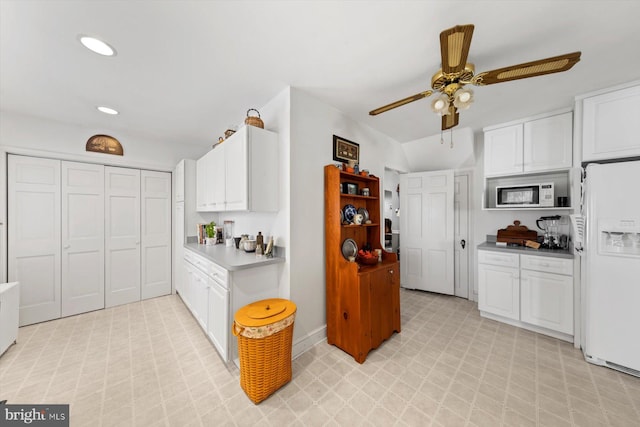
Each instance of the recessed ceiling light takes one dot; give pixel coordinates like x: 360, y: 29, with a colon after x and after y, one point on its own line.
x: 107, y: 110
x: 96, y: 45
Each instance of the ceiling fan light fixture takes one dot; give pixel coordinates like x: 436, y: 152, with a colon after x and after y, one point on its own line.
x: 440, y: 104
x: 463, y: 98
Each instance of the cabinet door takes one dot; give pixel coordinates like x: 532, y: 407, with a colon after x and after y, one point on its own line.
x: 503, y: 151
x: 218, y: 318
x: 610, y: 125
x: 199, y: 297
x: 179, y: 181
x: 548, y: 143
x: 122, y: 236
x: 34, y: 236
x: 217, y: 163
x: 499, y: 290
x: 82, y: 238
x: 201, y: 180
x: 237, y: 172
x: 155, y: 233
x: 380, y: 309
x: 547, y: 300
x: 178, y: 249
x: 186, y: 292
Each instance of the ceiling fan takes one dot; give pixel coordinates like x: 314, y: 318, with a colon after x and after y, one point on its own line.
x: 455, y: 73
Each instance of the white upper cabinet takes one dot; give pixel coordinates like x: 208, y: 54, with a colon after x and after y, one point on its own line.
x: 503, y: 151
x: 548, y: 143
x: 538, y: 145
x: 610, y: 124
x: 241, y: 174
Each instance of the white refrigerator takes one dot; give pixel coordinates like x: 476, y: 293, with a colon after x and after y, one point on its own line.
x: 611, y: 266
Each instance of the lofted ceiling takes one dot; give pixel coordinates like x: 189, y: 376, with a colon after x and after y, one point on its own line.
x: 186, y: 70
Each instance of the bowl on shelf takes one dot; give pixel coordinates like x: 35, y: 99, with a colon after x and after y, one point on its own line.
x: 367, y: 261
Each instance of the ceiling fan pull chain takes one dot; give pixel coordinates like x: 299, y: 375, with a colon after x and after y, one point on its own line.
x: 441, y: 139
x: 451, y: 138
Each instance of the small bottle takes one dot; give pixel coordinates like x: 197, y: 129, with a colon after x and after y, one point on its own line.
x: 259, y: 243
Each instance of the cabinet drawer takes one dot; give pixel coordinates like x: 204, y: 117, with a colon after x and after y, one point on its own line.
x: 211, y: 269
x: 547, y: 264
x: 498, y: 258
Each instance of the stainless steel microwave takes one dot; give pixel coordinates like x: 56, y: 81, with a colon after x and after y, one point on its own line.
x: 529, y: 195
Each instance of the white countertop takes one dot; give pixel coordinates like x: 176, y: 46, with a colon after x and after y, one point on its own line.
x: 230, y: 258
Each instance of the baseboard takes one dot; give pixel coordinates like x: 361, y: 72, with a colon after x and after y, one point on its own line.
x: 302, y: 345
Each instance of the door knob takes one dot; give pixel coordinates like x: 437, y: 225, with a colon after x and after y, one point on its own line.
x: 463, y: 243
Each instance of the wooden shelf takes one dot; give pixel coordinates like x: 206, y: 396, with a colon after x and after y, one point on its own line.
x: 363, y: 301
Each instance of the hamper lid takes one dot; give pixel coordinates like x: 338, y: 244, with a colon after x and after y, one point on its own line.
x: 265, y: 312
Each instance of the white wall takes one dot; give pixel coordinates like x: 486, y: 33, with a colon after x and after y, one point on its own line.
x: 313, y: 125
x: 428, y: 154
x: 60, y: 139
x: 276, y: 118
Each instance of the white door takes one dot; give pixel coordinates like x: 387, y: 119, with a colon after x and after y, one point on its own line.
x: 34, y: 236
x: 122, y: 236
x: 237, y: 172
x: 156, y: 233
x: 426, y: 227
x: 461, y: 235
x: 82, y: 237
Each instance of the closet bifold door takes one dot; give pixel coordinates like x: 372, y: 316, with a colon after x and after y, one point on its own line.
x: 122, y: 236
x: 156, y: 233
x: 82, y: 237
x: 33, y: 195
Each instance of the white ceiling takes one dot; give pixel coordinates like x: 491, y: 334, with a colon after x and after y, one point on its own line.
x: 185, y: 70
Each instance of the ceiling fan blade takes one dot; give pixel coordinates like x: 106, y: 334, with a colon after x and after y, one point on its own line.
x: 401, y: 102
x: 450, y: 120
x: 540, y: 67
x: 454, y: 48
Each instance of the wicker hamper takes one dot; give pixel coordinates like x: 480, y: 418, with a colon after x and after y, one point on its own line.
x: 265, y: 332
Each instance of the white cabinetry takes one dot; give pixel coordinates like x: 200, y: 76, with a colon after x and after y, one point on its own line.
x: 241, y: 174
x: 503, y: 150
x: 610, y: 125
x: 224, y: 292
x: 499, y: 284
x: 9, y: 314
x: 535, y: 145
x: 530, y: 291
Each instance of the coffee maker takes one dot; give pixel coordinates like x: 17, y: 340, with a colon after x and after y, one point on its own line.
x: 550, y: 227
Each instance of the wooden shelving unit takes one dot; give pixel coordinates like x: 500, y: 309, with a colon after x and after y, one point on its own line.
x: 363, y: 302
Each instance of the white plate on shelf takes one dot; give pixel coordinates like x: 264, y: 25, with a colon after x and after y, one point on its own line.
x: 365, y: 214
x: 349, y: 248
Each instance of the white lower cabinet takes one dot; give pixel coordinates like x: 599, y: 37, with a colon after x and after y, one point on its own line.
x: 499, y: 290
x: 213, y: 294
x: 547, y: 300
x: 218, y: 312
x: 535, y: 292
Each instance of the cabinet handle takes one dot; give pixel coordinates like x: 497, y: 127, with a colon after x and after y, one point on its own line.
x: 390, y: 271
x: 345, y: 315
x: 66, y: 246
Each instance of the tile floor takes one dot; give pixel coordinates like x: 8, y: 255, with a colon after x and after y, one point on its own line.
x: 148, y: 364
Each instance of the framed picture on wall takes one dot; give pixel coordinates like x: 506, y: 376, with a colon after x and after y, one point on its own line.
x: 345, y: 150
